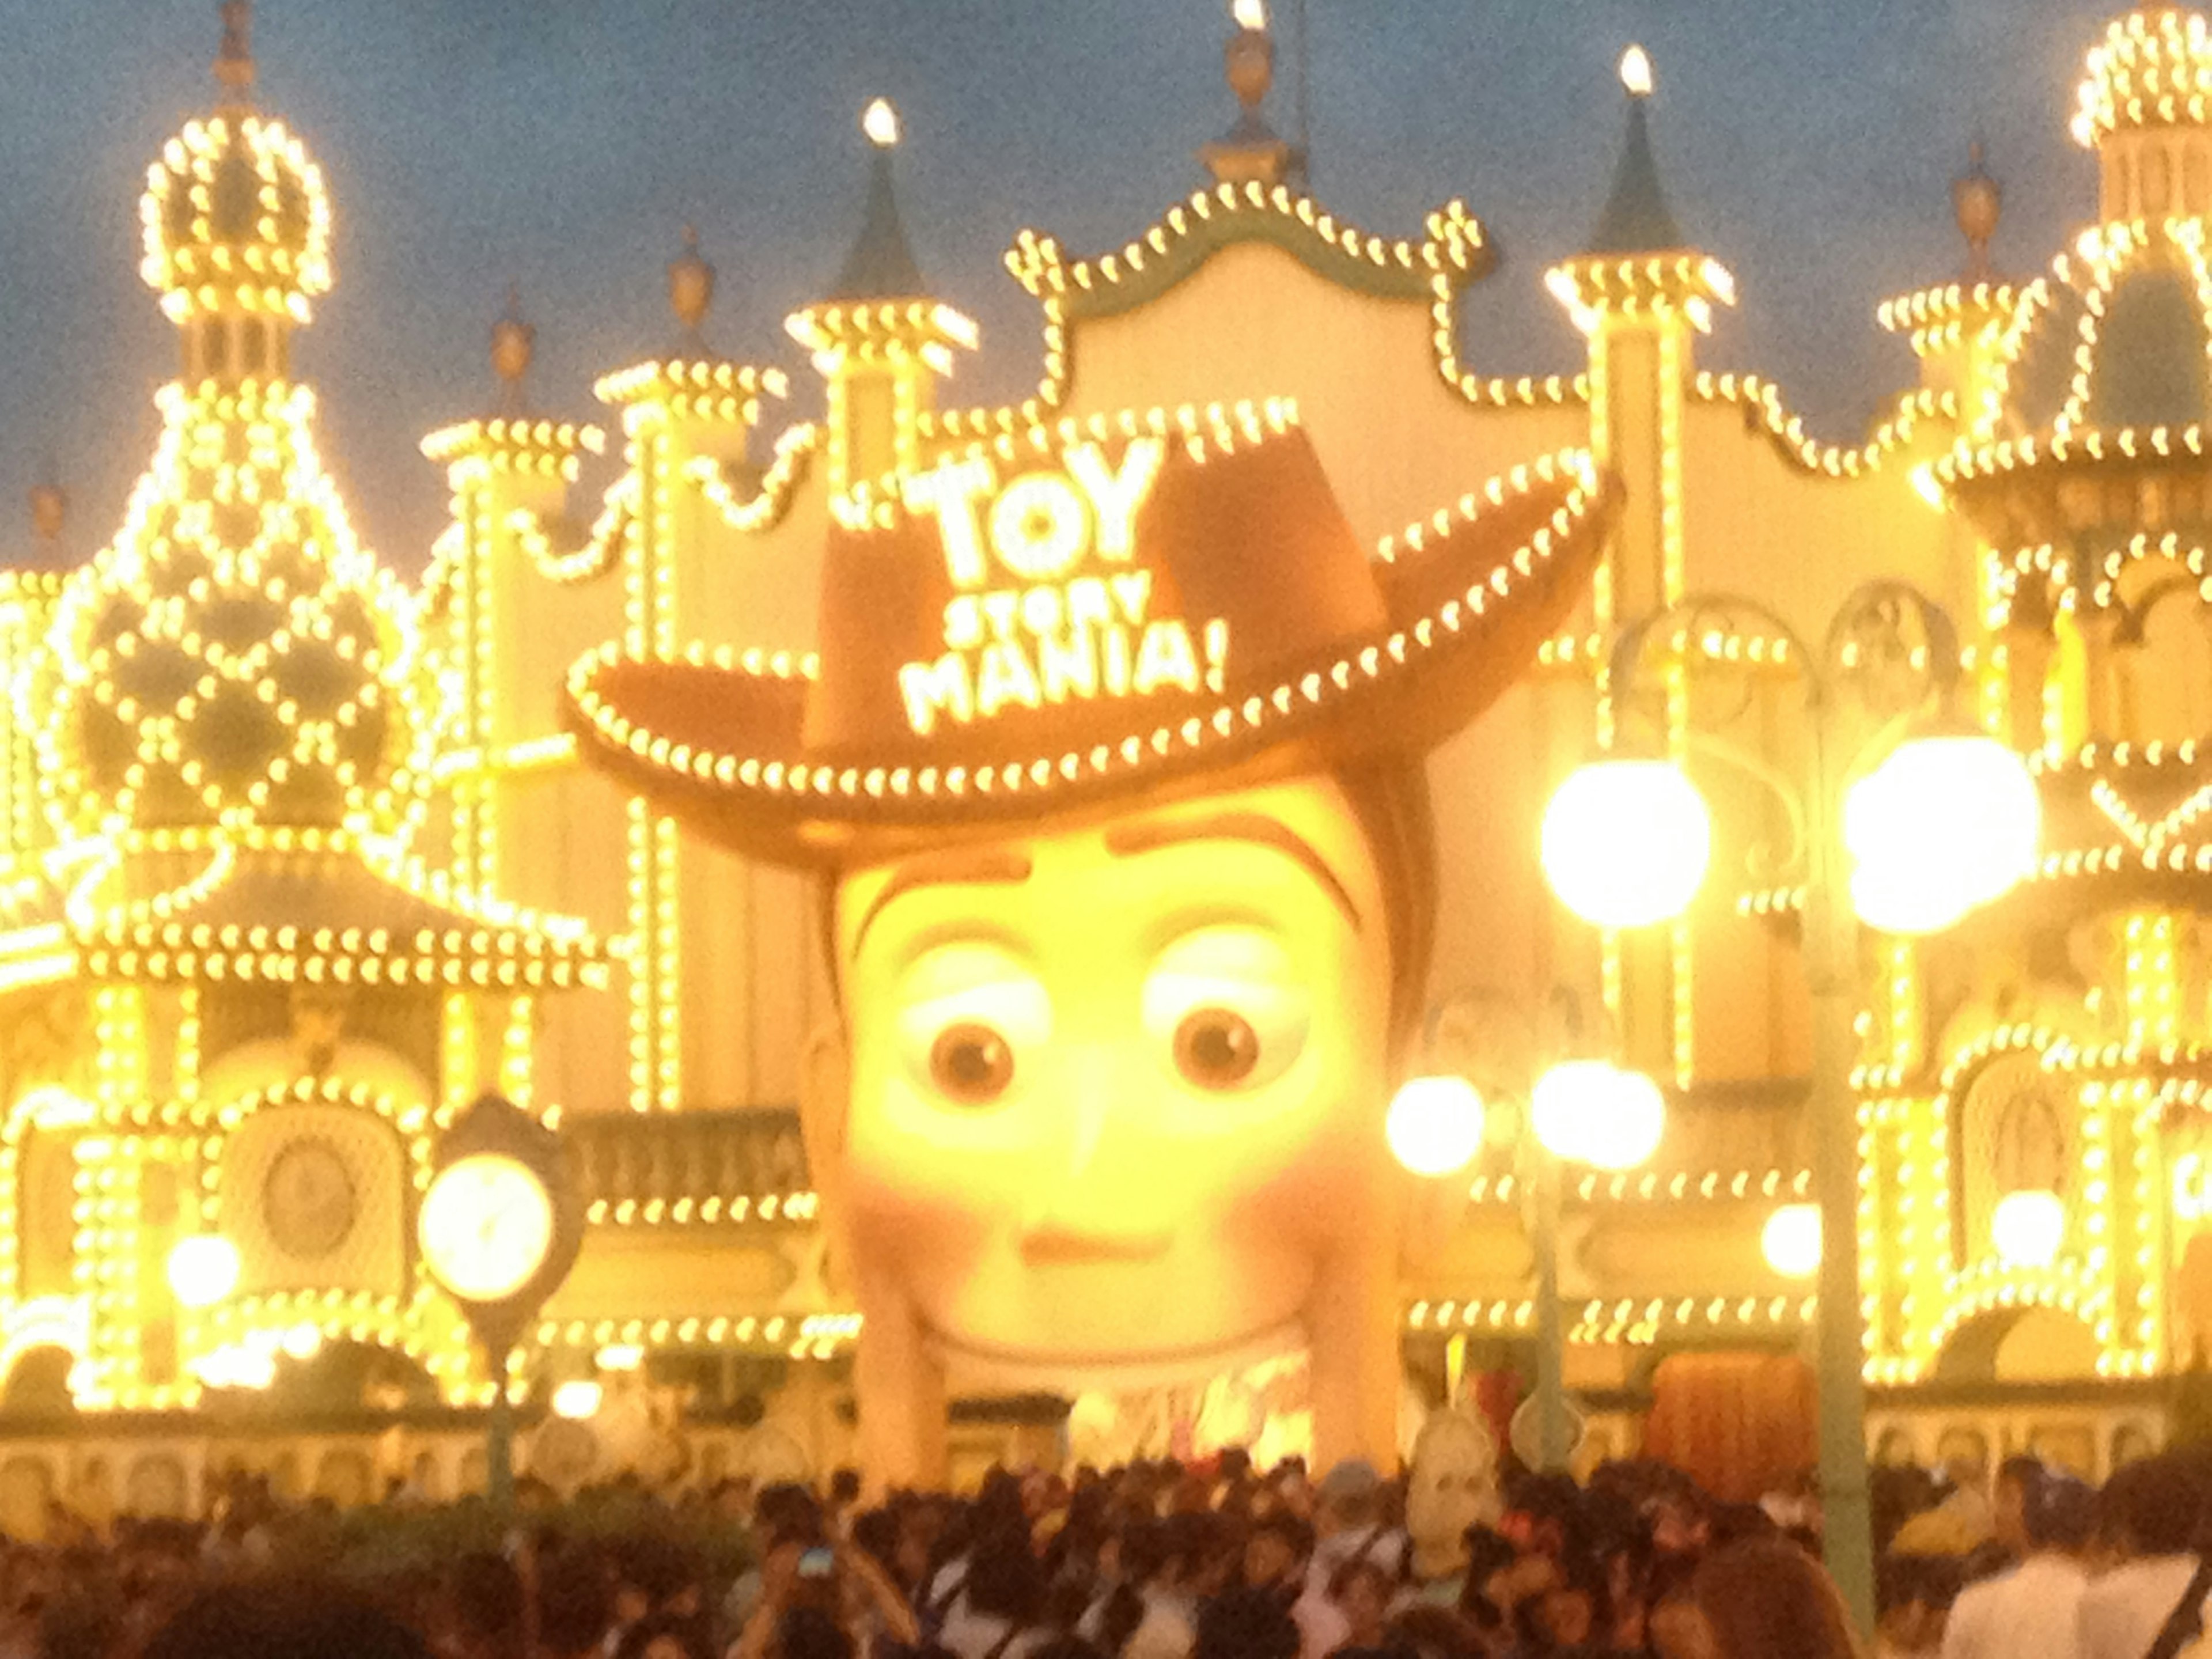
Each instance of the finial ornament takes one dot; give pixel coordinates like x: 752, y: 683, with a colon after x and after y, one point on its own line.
x: 1635, y: 73
x: 1249, y: 152
x: 1978, y: 200
x: 233, y: 62
x: 1248, y: 60
x: 691, y: 283
x: 513, y: 343
x: 881, y: 121
x: 49, y: 511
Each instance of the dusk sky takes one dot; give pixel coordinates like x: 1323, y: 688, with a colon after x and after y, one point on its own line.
x: 562, y: 144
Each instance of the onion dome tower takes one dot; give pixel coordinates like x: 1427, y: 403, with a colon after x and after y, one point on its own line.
x: 2084, y: 468
x: 241, y: 717
x: 235, y: 658
x: 2092, y: 445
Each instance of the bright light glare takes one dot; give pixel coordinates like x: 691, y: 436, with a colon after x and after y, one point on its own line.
x: 2029, y: 1229
x: 577, y: 1400
x: 1251, y: 14
x: 1792, y: 1241
x: 881, y: 122
x: 302, y: 1342
x: 1635, y: 72
x: 620, y: 1357
x: 202, y: 1270
x: 236, y: 1367
x: 1942, y: 825
x: 1593, y: 1112
x: 1625, y: 842
x: 1435, y: 1124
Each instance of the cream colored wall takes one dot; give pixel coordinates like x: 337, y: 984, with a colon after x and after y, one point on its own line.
x: 1253, y: 322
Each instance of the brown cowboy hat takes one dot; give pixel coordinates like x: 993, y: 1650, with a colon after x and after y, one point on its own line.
x: 1064, y: 619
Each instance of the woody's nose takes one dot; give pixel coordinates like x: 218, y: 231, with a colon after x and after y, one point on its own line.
x: 1095, y: 1211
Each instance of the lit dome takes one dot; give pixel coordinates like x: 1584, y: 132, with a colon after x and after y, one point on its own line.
x: 235, y: 658
x: 2154, y: 68
x: 236, y: 219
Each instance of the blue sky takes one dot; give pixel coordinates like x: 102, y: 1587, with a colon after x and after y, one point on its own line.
x: 563, y: 143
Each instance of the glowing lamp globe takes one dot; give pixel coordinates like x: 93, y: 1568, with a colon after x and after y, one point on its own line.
x: 1791, y: 1241
x: 1631, y: 1119
x: 1942, y: 825
x: 577, y: 1400
x: 1625, y: 842
x: 202, y: 1270
x: 1561, y: 1103
x: 1435, y: 1125
x: 2029, y: 1229
x: 1593, y: 1112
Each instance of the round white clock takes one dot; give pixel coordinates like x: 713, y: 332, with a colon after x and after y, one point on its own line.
x: 486, y: 1227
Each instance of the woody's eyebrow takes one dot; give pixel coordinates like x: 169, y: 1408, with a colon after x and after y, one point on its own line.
x: 1130, y: 840
x: 977, y: 867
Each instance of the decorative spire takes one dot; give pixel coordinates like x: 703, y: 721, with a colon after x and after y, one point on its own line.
x: 1978, y: 200
x: 1249, y: 152
x: 691, y: 286
x: 513, y: 341
x: 1636, y: 219
x: 881, y: 265
x: 233, y: 62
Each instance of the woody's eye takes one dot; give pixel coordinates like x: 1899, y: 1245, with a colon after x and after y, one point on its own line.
x: 1227, y: 1006
x: 971, y: 1064
x: 1216, y: 1048
x: 974, y: 1020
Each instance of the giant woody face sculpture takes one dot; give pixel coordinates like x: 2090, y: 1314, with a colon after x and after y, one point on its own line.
x: 1112, y: 766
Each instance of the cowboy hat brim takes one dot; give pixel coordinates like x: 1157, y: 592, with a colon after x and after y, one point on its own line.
x: 717, y: 737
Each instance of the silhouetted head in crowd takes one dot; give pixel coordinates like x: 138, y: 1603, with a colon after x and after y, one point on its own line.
x: 1246, y: 1625
x: 2060, y: 1514
x: 575, y: 1605
x: 297, y: 1620
x: 2154, y: 1507
x: 812, y: 1633
x: 2009, y: 1495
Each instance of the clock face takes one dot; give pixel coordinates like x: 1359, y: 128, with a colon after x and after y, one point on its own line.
x: 307, y: 1199
x: 486, y: 1227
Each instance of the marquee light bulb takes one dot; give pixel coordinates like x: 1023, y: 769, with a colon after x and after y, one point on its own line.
x: 1635, y: 72
x: 1435, y: 1124
x: 1251, y: 14
x: 881, y: 121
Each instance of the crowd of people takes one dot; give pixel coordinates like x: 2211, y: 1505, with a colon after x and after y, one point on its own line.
x: 1156, y: 1561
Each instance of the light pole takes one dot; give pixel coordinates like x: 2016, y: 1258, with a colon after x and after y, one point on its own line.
x: 1581, y: 1111
x: 1903, y: 827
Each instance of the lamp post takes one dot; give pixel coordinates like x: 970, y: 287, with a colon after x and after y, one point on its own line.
x: 500, y: 1226
x: 1581, y: 1111
x: 1904, y: 828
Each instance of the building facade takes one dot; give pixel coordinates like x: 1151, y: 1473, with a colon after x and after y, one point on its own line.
x: 301, y: 858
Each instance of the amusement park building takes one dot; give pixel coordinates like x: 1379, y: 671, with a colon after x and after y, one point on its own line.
x: 301, y: 858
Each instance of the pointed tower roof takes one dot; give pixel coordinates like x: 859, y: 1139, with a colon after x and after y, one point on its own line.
x: 881, y: 265
x: 1637, y: 218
